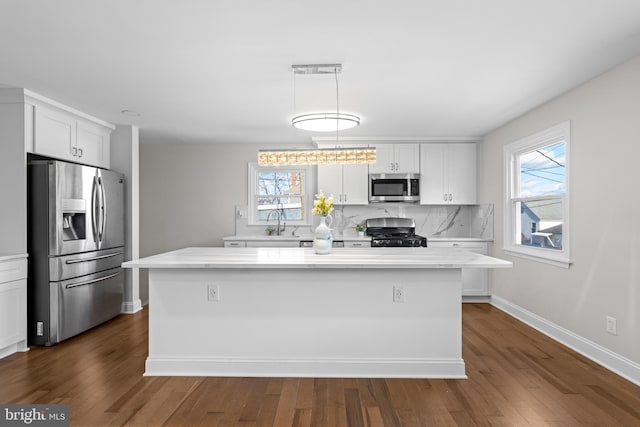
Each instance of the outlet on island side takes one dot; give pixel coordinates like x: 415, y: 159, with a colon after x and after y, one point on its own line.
x: 213, y: 293
x: 398, y: 294
x: 612, y: 325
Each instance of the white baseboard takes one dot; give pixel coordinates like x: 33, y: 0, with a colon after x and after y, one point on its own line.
x: 13, y: 348
x: 318, y: 368
x: 616, y: 363
x: 130, y: 307
x: 476, y: 298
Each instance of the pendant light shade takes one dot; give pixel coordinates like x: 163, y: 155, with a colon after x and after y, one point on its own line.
x: 333, y: 121
x: 325, y: 122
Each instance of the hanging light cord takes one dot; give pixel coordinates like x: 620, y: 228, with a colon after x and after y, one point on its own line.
x: 294, y: 93
x: 335, y: 73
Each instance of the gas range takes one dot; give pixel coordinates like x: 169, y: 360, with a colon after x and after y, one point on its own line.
x: 394, y: 232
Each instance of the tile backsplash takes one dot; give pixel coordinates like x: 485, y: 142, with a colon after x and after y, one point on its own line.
x: 447, y: 221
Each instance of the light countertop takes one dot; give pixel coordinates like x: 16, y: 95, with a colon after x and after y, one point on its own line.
x: 297, y: 238
x: 298, y: 258
x: 457, y: 239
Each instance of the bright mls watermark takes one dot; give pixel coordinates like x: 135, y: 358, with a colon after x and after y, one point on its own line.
x: 35, y: 415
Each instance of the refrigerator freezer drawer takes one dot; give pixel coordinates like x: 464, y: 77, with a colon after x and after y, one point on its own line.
x: 85, y: 302
x: 70, y: 266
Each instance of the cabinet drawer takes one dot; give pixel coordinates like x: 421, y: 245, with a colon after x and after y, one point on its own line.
x: 14, y: 269
x: 363, y: 244
x: 235, y: 244
x: 273, y: 244
x: 478, y: 247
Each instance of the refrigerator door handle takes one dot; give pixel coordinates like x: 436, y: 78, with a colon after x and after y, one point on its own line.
x: 95, y: 258
x: 95, y: 209
x: 103, y: 208
x: 89, y: 282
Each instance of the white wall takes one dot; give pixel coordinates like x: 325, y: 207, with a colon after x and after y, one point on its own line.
x: 13, y: 185
x: 125, y: 159
x: 604, y: 279
x: 188, y: 194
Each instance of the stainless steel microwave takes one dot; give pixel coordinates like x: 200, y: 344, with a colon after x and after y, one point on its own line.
x: 394, y: 187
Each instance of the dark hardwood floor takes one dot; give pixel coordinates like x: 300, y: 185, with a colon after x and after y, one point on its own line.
x: 517, y: 377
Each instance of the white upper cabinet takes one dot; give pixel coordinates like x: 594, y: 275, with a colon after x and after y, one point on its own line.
x: 396, y: 158
x: 355, y: 184
x: 349, y: 184
x: 54, y: 133
x: 93, y: 144
x: 66, y: 136
x: 448, y: 174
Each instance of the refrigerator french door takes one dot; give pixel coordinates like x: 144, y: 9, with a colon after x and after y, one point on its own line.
x: 76, y: 247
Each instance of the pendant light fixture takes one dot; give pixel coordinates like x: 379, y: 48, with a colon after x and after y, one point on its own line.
x: 320, y: 122
x: 325, y: 121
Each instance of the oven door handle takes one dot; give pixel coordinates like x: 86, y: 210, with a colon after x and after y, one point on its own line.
x: 89, y: 282
x: 96, y: 258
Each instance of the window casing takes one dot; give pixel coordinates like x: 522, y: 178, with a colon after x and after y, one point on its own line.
x: 536, y: 217
x: 279, y: 191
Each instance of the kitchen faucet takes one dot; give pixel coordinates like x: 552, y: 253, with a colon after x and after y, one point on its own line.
x: 278, y: 213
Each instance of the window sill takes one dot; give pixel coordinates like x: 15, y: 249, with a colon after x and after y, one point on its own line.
x: 556, y: 261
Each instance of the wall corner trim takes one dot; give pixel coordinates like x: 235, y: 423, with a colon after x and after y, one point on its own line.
x: 614, y: 362
x: 129, y: 307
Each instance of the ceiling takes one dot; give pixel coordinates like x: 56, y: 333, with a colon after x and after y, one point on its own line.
x: 220, y: 71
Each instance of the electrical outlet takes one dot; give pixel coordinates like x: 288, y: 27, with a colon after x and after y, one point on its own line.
x: 612, y: 325
x: 213, y: 292
x: 398, y: 294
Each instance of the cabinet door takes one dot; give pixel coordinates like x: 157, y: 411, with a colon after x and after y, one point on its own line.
x: 407, y: 158
x: 474, y: 280
x: 385, y: 159
x: 93, y: 144
x: 54, y: 134
x: 432, y: 174
x: 13, y: 313
x: 355, y: 184
x: 330, y: 182
x: 462, y: 173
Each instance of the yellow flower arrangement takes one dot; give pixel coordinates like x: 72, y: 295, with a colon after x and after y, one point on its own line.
x: 322, y: 205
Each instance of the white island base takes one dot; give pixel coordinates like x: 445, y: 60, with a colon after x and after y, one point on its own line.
x: 291, y: 313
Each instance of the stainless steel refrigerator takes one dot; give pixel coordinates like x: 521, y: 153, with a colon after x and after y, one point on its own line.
x: 75, y: 245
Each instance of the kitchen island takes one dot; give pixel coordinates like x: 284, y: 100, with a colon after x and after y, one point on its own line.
x: 287, y: 312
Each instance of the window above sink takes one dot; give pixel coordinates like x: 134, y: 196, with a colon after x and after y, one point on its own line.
x: 279, y: 193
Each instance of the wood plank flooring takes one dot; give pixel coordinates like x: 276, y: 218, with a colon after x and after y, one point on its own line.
x: 517, y: 377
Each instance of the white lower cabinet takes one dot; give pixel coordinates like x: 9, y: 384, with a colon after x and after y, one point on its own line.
x: 284, y: 243
x: 13, y: 306
x: 273, y: 243
x: 474, y: 280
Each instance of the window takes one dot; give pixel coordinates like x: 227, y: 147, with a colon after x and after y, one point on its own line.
x: 537, y: 196
x: 278, y: 192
